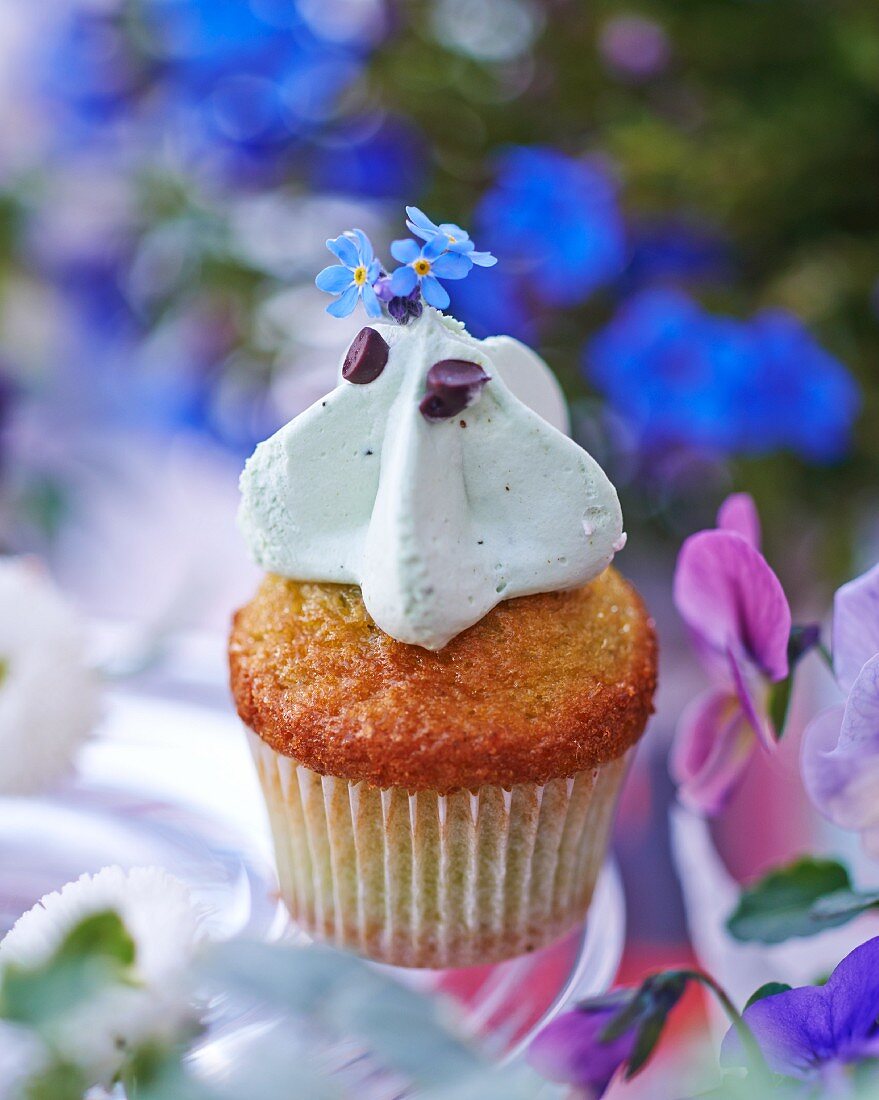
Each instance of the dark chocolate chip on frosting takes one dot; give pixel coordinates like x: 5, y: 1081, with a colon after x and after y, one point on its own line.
x: 366, y: 357
x: 452, y: 385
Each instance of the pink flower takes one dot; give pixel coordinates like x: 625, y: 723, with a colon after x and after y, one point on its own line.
x: 739, y: 622
x: 840, y: 761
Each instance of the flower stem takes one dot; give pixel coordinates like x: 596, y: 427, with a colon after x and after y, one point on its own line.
x: 756, y: 1062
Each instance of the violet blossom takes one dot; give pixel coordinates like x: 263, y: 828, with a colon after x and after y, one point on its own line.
x: 814, y: 1032
x: 739, y: 622
x: 840, y: 760
x: 571, y: 1051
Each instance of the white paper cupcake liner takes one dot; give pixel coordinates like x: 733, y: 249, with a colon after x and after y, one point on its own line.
x: 436, y: 880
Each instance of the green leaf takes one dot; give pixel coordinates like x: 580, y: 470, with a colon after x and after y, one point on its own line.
x: 804, y: 637
x: 779, y: 704
x: 646, y: 1013
x: 59, y: 1081
x: 844, y: 905
x: 345, y: 997
x: 767, y: 990
x: 159, y: 1073
x: 802, y: 899
x: 645, y: 1043
x: 101, y: 935
x: 95, y: 953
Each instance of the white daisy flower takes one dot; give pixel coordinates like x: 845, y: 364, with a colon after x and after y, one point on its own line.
x: 49, y: 699
x: 162, y: 920
x: 21, y: 1055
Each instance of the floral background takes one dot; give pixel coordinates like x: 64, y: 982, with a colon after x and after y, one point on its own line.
x: 682, y: 198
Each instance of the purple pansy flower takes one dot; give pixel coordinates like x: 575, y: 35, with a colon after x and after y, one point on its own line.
x: 353, y: 278
x: 457, y: 239
x: 840, y: 760
x: 424, y: 267
x: 570, y: 1049
x: 739, y: 621
x: 815, y: 1031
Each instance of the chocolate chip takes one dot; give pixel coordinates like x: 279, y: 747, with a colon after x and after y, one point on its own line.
x: 452, y: 385
x: 366, y: 357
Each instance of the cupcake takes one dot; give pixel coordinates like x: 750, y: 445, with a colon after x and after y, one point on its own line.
x: 442, y: 677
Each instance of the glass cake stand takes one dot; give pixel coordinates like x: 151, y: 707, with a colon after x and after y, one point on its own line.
x: 169, y: 782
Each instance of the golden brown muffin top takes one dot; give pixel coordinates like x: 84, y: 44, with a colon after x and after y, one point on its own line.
x: 542, y: 687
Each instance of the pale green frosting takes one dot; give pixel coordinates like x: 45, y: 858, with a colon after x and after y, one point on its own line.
x: 436, y: 521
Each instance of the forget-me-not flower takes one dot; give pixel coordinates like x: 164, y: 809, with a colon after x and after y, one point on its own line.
x: 457, y: 239
x: 353, y: 278
x: 425, y: 266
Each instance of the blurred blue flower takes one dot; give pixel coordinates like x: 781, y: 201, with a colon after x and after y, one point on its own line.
x: 387, y: 162
x: 492, y: 302
x: 244, y: 80
x: 675, y: 249
x: 556, y: 219
x: 424, y: 267
x: 800, y: 396
x: 457, y: 239
x: 681, y: 376
x: 91, y: 64
x: 352, y: 279
x: 669, y: 369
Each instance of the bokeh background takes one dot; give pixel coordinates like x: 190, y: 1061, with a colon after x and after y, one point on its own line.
x: 683, y: 198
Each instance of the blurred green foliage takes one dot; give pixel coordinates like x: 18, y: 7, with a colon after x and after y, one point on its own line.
x: 764, y: 123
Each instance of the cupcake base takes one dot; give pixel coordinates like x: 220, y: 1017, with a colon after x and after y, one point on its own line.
x: 427, y: 880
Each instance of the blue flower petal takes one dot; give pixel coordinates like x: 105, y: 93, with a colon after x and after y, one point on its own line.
x: 452, y: 230
x: 334, y: 279
x: 403, y: 281
x: 435, y: 246
x: 366, y: 250
x: 451, y: 265
x: 405, y: 251
x: 483, y: 259
x: 370, y: 301
x: 433, y: 292
x: 344, y: 305
x: 419, y: 223
x: 344, y: 248
x: 373, y: 272
x: 413, y: 213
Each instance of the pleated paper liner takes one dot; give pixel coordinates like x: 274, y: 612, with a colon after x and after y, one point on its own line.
x: 429, y: 880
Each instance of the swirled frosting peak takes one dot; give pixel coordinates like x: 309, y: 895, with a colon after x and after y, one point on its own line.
x: 425, y: 479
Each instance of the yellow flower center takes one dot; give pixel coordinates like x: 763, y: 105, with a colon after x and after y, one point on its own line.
x: 452, y: 239
x: 422, y: 267
x: 360, y: 275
